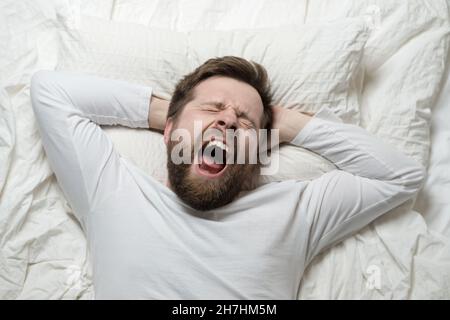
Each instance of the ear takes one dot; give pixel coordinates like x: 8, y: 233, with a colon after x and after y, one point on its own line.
x: 168, y: 130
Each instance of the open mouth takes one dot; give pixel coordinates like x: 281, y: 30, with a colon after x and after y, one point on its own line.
x: 212, y: 158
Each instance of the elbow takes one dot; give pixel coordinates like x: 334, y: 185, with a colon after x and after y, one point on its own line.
x: 414, y: 179
x: 39, y: 79
x: 40, y: 83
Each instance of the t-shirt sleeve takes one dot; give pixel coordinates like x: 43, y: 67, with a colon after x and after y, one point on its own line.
x: 69, y: 110
x: 371, y: 178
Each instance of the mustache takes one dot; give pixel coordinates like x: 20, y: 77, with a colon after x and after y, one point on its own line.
x: 242, y: 146
x: 211, y: 194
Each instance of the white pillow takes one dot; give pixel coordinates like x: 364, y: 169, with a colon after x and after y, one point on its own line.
x: 127, y: 51
x: 181, y: 15
x: 309, y: 65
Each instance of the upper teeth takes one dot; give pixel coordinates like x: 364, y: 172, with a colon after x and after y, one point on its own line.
x: 219, y: 144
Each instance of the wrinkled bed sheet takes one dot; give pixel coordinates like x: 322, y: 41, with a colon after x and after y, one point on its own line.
x: 403, y: 255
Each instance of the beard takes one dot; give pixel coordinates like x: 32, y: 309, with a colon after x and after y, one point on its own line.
x: 207, y: 194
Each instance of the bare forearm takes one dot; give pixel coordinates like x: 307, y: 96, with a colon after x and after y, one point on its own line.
x: 289, y: 122
x: 157, y: 113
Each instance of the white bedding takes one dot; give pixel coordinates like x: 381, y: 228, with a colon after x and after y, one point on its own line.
x: 433, y: 200
x: 405, y: 254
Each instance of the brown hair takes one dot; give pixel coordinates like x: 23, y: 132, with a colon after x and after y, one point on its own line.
x: 237, y: 68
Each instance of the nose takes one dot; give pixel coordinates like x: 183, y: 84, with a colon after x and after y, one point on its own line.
x: 226, y: 119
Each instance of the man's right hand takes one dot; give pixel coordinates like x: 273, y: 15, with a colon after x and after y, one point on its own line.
x: 157, y: 115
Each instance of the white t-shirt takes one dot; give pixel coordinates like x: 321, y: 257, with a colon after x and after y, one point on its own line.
x: 146, y: 243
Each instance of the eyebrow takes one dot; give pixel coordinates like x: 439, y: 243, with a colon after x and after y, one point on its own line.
x: 221, y: 106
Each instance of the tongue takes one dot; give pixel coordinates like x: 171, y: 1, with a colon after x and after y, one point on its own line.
x: 209, y: 165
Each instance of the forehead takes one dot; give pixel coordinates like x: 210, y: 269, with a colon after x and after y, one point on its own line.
x: 229, y: 92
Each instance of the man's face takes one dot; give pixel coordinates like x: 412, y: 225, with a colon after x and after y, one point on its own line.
x: 219, y: 162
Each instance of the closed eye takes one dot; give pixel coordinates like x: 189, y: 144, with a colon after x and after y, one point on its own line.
x: 244, y: 120
x: 247, y: 124
x: 210, y: 109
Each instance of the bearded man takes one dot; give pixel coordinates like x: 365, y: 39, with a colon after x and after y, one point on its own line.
x: 197, y: 236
